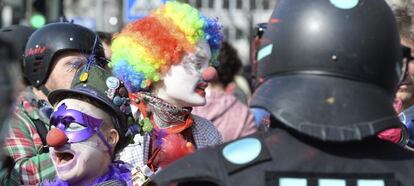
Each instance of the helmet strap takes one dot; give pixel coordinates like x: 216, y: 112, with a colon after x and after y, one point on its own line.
x: 44, y: 89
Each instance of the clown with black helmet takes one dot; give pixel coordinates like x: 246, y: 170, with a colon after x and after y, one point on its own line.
x: 330, y: 69
x: 52, y: 55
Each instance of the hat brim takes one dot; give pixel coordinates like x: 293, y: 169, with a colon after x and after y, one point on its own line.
x: 60, y: 94
x: 328, y: 108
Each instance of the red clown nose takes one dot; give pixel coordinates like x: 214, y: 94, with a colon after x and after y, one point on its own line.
x: 56, y: 138
x: 209, y: 74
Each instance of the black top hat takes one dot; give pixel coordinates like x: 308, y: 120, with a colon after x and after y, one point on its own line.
x: 100, y: 85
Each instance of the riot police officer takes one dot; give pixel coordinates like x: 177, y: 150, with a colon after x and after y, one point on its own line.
x: 330, y: 71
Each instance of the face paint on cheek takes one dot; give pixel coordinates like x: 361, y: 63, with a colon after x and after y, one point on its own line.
x: 102, y: 146
x: 90, y: 156
x: 97, y: 144
x: 186, y: 62
x: 84, y: 162
x: 183, y: 83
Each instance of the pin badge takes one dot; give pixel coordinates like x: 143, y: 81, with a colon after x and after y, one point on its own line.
x: 84, y: 76
x: 112, y: 82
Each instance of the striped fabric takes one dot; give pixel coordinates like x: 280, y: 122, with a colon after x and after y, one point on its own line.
x: 23, y: 144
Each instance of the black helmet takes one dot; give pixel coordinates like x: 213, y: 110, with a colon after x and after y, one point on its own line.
x: 52, y: 39
x: 330, y: 67
x: 18, y: 35
x: 8, y: 56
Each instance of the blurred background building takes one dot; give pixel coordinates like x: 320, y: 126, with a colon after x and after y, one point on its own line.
x: 237, y: 16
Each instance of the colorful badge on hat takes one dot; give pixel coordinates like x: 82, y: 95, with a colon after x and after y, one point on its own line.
x: 112, y: 82
x: 84, y: 76
x: 117, y: 92
x: 91, y: 60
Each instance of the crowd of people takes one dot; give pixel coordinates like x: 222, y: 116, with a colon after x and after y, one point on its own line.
x: 163, y: 101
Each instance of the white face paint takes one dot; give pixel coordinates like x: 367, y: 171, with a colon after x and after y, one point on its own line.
x: 89, y: 160
x: 183, y: 85
x: 80, y: 163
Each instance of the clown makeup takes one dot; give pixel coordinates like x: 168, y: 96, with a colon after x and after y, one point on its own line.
x: 75, y: 63
x: 64, y: 68
x: 198, y: 61
x: 82, y: 161
x: 183, y: 83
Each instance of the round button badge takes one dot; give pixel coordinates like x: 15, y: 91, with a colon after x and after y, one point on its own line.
x: 112, y: 82
x: 344, y: 4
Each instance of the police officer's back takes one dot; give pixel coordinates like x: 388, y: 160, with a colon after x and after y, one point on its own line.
x: 330, y: 69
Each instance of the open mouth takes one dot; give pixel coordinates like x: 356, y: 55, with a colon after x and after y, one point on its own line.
x: 405, y: 83
x: 404, y: 87
x: 201, y: 89
x: 63, y: 158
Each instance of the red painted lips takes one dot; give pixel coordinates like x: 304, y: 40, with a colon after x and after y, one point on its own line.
x: 201, y: 88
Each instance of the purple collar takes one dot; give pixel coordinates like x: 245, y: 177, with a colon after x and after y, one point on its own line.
x: 118, y: 171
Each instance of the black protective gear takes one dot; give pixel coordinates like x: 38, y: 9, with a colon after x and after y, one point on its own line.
x: 330, y: 71
x: 48, y: 42
x: 281, y: 154
x: 18, y: 35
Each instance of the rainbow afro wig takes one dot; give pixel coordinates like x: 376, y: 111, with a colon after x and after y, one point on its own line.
x: 148, y: 47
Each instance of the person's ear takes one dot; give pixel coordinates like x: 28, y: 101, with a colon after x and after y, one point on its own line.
x: 113, y: 137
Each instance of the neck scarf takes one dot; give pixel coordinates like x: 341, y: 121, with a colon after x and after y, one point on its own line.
x: 170, y: 139
x: 164, y: 116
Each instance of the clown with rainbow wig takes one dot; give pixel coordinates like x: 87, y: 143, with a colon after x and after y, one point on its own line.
x: 165, y: 59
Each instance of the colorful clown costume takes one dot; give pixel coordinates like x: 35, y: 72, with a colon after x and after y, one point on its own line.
x: 165, y: 61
